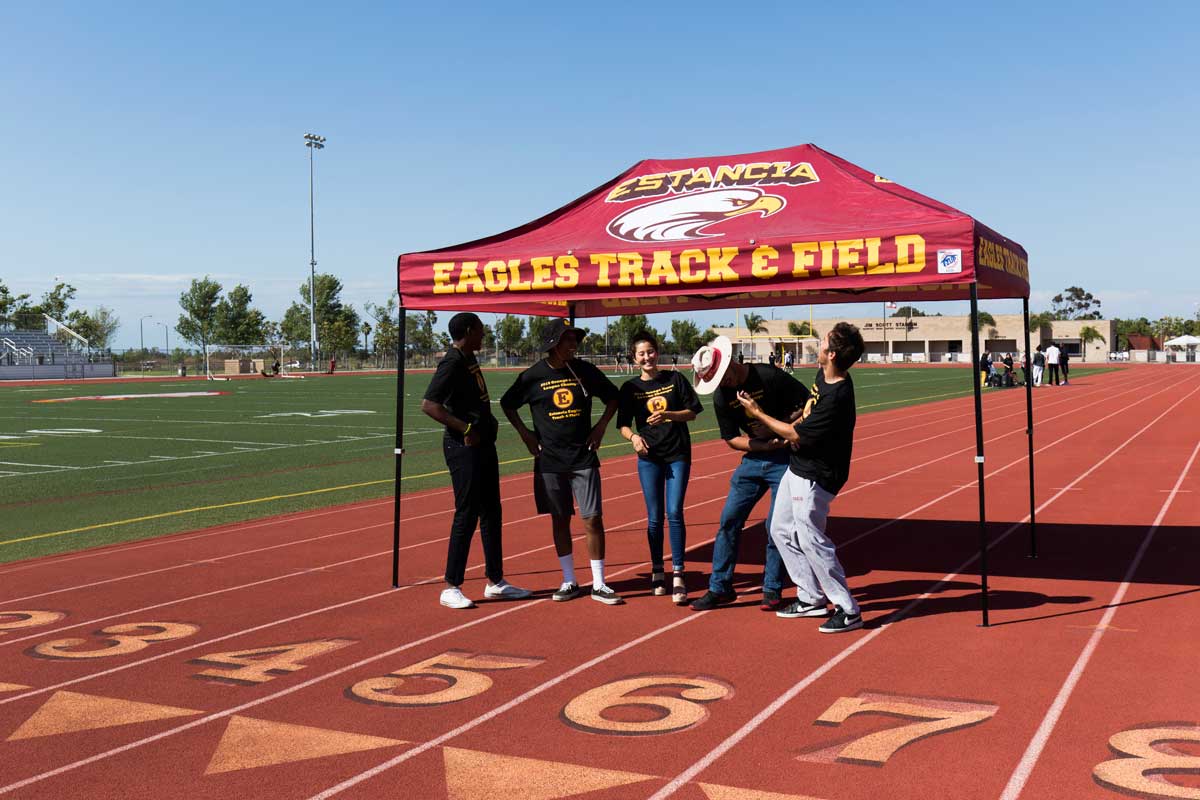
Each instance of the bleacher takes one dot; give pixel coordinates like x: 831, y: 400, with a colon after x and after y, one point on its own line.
x: 20, y: 347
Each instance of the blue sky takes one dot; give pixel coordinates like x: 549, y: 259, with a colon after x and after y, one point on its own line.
x: 145, y: 146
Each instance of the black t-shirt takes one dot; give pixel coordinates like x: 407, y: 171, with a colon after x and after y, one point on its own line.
x: 1039, y: 359
x: 561, y: 402
x: 459, y: 386
x: 826, y: 434
x: 777, y: 393
x: 668, y: 391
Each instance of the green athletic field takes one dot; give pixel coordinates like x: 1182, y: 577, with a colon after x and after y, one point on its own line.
x: 84, y: 473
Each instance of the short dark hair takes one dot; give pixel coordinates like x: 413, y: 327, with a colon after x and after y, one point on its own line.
x: 846, y: 345
x: 462, y: 323
x: 643, y: 336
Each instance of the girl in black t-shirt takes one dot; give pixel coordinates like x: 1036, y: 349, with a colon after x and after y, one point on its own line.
x: 652, y: 414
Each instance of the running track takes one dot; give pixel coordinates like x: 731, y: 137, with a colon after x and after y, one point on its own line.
x: 272, y: 659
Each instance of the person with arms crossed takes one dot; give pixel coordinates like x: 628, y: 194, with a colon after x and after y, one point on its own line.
x: 821, y: 444
x: 764, y: 460
x: 653, y: 412
x: 1052, y: 354
x: 559, y: 391
x: 457, y: 397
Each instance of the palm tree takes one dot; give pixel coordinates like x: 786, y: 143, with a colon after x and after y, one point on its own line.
x: 755, y: 323
x: 986, y: 320
x: 801, y: 329
x: 1087, y: 335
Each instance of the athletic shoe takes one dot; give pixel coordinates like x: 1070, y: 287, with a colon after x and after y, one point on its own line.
x: 711, y: 600
x: 679, y: 590
x: 607, y: 596
x: 799, y: 608
x: 771, y: 601
x: 454, y: 598
x: 841, y: 622
x: 504, y: 591
x: 568, y: 591
x: 658, y: 586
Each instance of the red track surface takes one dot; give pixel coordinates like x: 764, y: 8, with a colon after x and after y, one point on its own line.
x: 1087, y: 669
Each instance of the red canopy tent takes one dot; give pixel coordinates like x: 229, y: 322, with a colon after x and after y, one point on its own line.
x: 791, y: 226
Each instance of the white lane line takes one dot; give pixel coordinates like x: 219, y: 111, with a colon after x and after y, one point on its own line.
x: 721, y: 749
x: 40, y: 466
x: 1020, y: 776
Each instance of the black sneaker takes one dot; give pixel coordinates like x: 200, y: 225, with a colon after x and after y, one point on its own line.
x: 841, y: 622
x: 799, y: 608
x: 568, y: 591
x: 711, y: 600
x: 658, y: 583
x: 607, y: 596
x: 771, y: 601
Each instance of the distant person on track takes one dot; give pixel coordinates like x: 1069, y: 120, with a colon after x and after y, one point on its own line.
x: 654, y: 410
x: 1039, y: 365
x: 457, y: 398
x: 559, y: 391
x: 985, y: 367
x: 764, y: 460
x: 1009, y: 370
x: 788, y: 361
x: 1052, y: 359
x: 821, y: 443
x: 1064, y: 361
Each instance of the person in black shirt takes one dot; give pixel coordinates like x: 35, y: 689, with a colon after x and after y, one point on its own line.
x: 821, y: 443
x: 764, y: 461
x: 653, y: 414
x: 559, y: 391
x: 457, y: 397
x: 1063, y: 363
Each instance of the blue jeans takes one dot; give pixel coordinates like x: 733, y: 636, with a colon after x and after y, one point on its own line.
x: 670, y: 479
x: 753, y: 477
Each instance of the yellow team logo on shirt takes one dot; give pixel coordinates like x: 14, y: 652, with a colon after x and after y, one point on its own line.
x: 563, y: 398
x: 656, y: 404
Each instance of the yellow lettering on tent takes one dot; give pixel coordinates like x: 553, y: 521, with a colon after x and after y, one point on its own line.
x: 802, y: 258
x: 441, y: 277
x: 728, y: 174
x: 760, y: 262
x: 514, y: 271
x: 827, y: 260
x: 662, y: 271
x: 630, y: 270
x: 702, y: 176
x: 686, y: 273
x: 803, y: 170
x: 468, y: 278
x: 566, y: 270
x: 604, y: 261
x: 622, y: 189
x: 495, y: 276
x: 649, y: 183
x: 756, y: 172
x: 677, y: 177
x: 910, y: 253
x: 848, y: 252
x: 543, y: 277
x: 873, y: 265
x: 719, y: 270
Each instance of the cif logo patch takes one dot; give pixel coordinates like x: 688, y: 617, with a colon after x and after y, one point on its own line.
x: 563, y: 398
x: 656, y: 404
x: 688, y: 217
x: 949, y: 261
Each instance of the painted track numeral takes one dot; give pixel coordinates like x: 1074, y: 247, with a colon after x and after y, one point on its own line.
x: 457, y: 669
x: 261, y: 664
x: 15, y: 620
x: 1147, y: 757
x: 935, y: 714
x: 123, y: 640
x: 677, y: 704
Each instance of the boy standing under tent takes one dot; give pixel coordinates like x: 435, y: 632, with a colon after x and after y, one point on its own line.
x: 821, y: 444
x: 559, y: 391
x: 457, y: 397
x: 764, y: 460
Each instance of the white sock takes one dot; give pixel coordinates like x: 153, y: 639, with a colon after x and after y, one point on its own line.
x: 597, y: 574
x: 568, y: 567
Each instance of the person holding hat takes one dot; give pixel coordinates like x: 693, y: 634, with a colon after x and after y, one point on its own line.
x: 457, y: 397
x: 653, y: 413
x: 764, y: 460
x: 821, y: 443
x: 559, y: 391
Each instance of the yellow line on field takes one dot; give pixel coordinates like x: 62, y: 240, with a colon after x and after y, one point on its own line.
x: 193, y: 511
x: 20, y: 444
x: 915, y: 399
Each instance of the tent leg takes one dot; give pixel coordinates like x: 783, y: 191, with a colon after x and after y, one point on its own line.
x: 571, y: 314
x: 1029, y: 434
x: 983, y: 537
x: 399, y: 449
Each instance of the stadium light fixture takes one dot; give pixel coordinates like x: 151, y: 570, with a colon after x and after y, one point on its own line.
x: 313, y: 142
x: 142, y: 338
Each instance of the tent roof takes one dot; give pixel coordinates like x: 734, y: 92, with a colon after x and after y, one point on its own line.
x: 791, y: 226
x: 1182, y: 341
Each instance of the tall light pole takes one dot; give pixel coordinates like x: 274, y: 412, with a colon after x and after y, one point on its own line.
x: 312, y: 142
x: 166, y: 341
x: 142, y: 337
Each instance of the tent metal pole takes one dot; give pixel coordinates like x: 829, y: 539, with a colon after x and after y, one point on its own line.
x: 571, y: 310
x: 983, y: 537
x: 399, y: 449
x: 1029, y: 434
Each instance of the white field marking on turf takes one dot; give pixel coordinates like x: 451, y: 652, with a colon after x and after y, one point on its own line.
x: 994, y: 473
x: 1020, y: 776
x: 224, y: 422
x: 23, y: 464
x: 725, y: 746
x: 312, y: 681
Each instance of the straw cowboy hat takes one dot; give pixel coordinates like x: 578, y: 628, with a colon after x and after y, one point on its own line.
x: 709, y: 364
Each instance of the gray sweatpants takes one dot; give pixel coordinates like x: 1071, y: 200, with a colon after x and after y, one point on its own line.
x: 798, y: 528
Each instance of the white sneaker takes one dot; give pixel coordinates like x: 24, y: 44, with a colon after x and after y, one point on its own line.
x: 504, y: 591
x: 454, y: 598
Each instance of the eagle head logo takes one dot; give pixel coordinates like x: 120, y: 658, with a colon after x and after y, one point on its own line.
x: 687, y: 216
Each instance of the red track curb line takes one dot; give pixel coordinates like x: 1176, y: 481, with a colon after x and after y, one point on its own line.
x: 695, y: 769
x: 1037, y: 744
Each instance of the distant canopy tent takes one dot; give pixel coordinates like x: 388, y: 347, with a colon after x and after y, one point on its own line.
x: 781, y: 227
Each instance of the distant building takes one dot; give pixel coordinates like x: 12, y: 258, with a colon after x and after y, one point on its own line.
x: 927, y: 339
